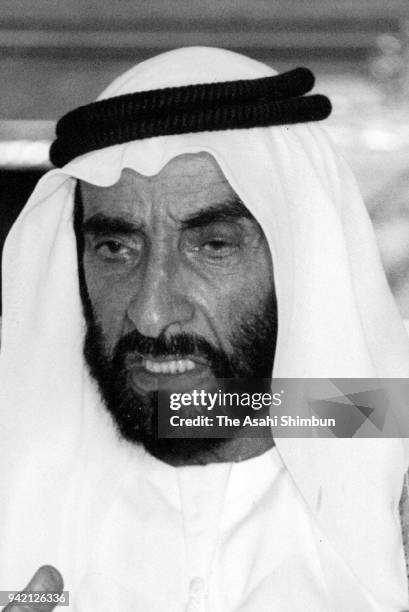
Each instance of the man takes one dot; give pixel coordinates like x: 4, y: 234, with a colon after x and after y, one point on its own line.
x: 196, y: 244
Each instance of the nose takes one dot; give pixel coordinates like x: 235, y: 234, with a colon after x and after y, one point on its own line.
x: 160, y: 305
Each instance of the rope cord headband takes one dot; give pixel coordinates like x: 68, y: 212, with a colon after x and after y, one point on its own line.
x: 343, y: 325
x: 267, y: 101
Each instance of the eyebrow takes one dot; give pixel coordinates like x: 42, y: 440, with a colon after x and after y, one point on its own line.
x: 104, y: 225
x: 230, y: 209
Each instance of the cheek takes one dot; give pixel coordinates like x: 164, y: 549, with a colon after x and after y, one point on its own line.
x: 109, y: 302
x: 221, y: 299
x: 229, y: 299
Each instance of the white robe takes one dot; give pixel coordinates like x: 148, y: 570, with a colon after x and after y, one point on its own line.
x: 215, y: 538
x: 60, y: 456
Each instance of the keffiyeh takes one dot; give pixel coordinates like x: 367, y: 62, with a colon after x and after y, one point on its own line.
x: 62, y: 463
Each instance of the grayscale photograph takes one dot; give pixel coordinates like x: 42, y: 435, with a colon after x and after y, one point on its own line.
x: 204, y: 306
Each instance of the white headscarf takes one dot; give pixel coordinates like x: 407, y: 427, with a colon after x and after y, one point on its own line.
x: 61, y: 461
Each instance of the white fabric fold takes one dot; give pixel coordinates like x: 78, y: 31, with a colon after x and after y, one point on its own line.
x: 61, y: 461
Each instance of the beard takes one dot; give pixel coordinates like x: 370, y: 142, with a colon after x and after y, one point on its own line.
x: 252, y: 342
x: 136, y: 414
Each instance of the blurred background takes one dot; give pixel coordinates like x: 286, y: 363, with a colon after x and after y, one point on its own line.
x: 55, y: 56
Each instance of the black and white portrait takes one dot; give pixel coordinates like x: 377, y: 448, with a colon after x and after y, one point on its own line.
x: 204, y: 228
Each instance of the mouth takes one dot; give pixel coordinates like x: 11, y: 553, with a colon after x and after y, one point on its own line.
x: 149, y: 373
x: 168, y: 366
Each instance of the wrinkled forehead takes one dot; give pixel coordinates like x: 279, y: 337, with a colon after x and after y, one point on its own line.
x: 254, y: 164
x: 186, y: 181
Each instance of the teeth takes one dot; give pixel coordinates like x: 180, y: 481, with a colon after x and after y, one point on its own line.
x: 172, y: 366
x: 168, y: 367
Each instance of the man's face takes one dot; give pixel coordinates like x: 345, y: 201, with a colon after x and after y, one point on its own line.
x: 179, y: 286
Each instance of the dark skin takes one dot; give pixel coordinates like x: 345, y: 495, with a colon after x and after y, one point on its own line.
x: 176, y: 266
x: 175, y: 252
x: 179, y: 253
x: 46, y: 580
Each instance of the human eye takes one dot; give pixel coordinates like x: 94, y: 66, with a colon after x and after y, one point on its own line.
x: 218, y: 247
x: 218, y: 243
x: 111, y: 249
x: 115, y: 250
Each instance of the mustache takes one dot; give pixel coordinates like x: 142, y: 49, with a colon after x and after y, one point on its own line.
x: 182, y: 344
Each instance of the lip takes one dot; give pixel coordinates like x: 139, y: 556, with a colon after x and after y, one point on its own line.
x: 145, y: 381
x: 136, y: 359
